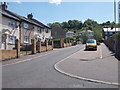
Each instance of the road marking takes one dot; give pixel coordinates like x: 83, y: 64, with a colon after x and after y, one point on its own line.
x: 101, y: 56
x: 78, y: 77
x: 28, y: 59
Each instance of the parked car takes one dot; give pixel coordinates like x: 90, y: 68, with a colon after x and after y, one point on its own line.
x: 91, y: 44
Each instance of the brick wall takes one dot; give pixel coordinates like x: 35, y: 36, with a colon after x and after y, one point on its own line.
x: 8, y: 54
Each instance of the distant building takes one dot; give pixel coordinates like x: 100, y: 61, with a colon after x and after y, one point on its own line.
x: 108, y: 32
x: 90, y: 34
x: 119, y: 12
x: 57, y: 32
x: 70, y: 34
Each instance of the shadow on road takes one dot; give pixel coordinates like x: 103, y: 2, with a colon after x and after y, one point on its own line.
x: 89, y: 50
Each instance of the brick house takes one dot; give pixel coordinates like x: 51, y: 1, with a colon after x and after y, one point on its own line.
x: 58, y: 32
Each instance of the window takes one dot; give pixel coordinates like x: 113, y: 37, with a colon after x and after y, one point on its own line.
x: 110, y: 33
x: 26, y: 25
x: 3, y: 38
x: 11, y: 24
x: 12, y: 39
x: 38, y: 30
x: 26, y: 39
x: 106, y: 33
x: 46, y: 30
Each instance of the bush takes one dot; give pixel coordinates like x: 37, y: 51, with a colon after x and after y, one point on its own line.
x: 56, y: 40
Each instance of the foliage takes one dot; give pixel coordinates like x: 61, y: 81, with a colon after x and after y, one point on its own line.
x: 116, y: 34
x: 56, y: 40
x: 84, y: 37
x: 76, y: 26
x: 71, y: 38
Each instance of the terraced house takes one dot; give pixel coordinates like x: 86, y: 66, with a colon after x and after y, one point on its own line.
x: 10, y: 29
x: 19, y: 27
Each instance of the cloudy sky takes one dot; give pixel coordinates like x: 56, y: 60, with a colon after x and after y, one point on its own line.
x: 57, y: 11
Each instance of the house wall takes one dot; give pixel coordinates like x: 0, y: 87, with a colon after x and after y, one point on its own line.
x: 14, y: 31
x: 58, y: 32
x: 0, y: 30
x: 47, y: 35
x: 38, y: 33
x: 26, y: 31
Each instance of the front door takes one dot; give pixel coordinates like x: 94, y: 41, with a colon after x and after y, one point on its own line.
x: 4, y: 37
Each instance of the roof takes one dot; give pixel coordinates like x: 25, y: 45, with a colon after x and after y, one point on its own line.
x: 9, y: 15
x: 70, y: 32
x: 40, y: 23
x: 85, y: 31
x: 21, y: 18
x: 111, y: 30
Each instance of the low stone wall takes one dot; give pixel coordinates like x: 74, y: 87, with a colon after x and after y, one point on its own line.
x: 62, y: 43
x: 50, y: 47
x: 65, y: 45
x: 43, y: 48
x: 8, y: 54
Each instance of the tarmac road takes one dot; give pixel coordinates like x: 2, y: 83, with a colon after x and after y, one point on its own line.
x: 39, y: 72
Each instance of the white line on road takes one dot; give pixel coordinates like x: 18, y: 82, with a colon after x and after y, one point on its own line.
x: 101, y: 56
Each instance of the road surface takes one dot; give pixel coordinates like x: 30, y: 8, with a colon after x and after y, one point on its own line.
x: 39, y: 72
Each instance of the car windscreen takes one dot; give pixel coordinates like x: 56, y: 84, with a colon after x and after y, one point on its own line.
x: 91, y: 41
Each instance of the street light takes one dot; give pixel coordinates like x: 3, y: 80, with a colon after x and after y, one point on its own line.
x: 115, y: 25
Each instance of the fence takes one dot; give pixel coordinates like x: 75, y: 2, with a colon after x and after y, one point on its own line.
x: 113, y: 43
x: 34, y: 48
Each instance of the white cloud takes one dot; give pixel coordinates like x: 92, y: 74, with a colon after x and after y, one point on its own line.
x: 18, y: 1
x: 57, y: 2
x: 83, y: 21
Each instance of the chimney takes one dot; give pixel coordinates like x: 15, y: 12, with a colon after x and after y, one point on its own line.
x: 30, y: 16
x: 4, y: 6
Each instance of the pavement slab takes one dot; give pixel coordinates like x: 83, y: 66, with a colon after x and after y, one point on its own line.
x: 89, y: 65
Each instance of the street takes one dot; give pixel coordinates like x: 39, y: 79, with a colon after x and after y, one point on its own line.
x: 39, y: 71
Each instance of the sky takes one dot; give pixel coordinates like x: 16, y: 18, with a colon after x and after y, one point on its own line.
x: 49, y: 12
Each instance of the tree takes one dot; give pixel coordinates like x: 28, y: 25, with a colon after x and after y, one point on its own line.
x: 65, y: 25
x: 55, y: 24
x: 84, y: 37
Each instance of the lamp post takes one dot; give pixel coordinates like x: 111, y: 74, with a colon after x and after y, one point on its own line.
x: 115, y: 24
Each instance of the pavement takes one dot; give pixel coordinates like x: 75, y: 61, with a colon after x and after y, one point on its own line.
x: 97, y: 66
x: 37, y: 71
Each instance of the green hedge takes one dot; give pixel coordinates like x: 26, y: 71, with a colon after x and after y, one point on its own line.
x: 116, y: 34
x: 56, y: 40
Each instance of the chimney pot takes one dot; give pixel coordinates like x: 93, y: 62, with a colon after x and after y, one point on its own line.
x: 4, y: 6
x: 30, y: 16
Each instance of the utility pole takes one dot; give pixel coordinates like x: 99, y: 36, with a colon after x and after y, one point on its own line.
x: 115, y: 25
